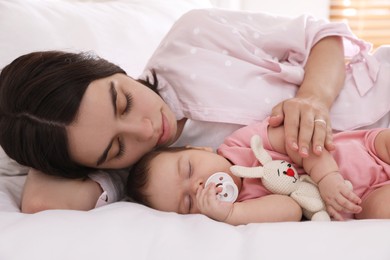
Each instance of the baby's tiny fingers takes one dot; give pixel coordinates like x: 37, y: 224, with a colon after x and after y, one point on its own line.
x: 351, y: 196
x: 202, y: 194
x: 334, y: 203
x: 334, y: 213
x: 199, y: 190
x: 348, y: 206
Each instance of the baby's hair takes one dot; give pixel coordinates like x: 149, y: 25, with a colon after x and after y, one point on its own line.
x: 138, y: 179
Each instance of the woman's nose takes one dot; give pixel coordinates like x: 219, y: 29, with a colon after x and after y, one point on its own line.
x: 141, y: 130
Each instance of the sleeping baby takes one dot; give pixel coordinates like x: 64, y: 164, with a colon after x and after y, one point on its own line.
x: 183, y: 180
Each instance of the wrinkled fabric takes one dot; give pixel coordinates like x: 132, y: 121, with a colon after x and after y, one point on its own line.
x: 234, y: 67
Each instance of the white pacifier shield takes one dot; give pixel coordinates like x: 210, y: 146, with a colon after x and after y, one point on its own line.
x: 229, y: 191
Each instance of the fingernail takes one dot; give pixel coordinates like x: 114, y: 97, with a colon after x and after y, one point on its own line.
x: 319, y: 148
x: 295, y: 145
x: 304, y: 151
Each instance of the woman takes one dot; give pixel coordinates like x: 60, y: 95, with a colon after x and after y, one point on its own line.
x: 111, y: 120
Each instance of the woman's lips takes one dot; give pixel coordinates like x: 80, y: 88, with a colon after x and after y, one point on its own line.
x: 166, y: 131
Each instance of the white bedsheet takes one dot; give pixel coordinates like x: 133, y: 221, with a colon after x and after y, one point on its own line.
x: 125, y: 230
x: 129, y: 231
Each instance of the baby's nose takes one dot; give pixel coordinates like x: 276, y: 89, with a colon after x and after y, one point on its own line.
x: 198, y: 183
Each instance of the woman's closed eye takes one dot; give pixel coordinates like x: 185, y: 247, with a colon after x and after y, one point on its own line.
x: 189, y: 169
x: 126, y: 110
x: 121, y: 149
x: 129, y: 103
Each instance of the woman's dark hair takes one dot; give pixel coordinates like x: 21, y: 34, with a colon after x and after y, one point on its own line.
x: 40, y: 94
x: 138, y: 178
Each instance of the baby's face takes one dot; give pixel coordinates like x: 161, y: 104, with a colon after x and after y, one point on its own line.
x: 175, y: 177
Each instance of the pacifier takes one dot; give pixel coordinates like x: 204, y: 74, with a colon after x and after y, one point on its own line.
x: 229, y: 191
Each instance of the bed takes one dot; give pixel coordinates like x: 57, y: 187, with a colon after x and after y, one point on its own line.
x: 126, y: 32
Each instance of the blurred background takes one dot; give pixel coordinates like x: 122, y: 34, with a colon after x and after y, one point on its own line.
x: 368, y: 19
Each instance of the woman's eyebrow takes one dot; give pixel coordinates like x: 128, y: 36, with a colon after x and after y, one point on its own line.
x: 113, y: 95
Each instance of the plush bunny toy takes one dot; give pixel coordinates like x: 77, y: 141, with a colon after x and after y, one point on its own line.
x: 280, y: 177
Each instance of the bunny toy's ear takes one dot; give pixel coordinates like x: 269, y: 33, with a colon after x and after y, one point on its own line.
x: 247, y: 172
x: 259, y: 151
x: 261, y: 155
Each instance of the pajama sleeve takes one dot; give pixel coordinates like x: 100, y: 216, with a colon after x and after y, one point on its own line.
x: 250, y: 61
x: 112, y: 183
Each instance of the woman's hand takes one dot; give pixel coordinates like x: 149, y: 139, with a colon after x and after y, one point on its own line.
x: 338, y: 196
x: 304, y: 115
x: 306, y: 123
x: 209, y: 205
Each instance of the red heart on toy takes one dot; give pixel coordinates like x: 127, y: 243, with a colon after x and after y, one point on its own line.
x: 290, y: 172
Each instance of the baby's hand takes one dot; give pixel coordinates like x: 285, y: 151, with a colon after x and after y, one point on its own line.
x: 209, y: 204
x: 338, y: 196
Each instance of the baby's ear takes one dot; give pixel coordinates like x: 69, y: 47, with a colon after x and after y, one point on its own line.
x: 202, y: 148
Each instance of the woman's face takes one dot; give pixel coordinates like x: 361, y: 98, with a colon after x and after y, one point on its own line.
x: 119, y: 120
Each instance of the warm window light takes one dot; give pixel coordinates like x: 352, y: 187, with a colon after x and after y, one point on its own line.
x: 368, y: 19
x: 347, y: 3
x: 349, y: 12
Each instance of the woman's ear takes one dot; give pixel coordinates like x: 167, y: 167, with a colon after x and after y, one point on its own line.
x: 202, y: 148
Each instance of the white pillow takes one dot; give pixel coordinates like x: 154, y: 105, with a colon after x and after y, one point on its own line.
x: 125, y: 32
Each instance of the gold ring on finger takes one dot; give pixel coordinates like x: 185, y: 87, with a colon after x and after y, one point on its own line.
x: 322, y: 121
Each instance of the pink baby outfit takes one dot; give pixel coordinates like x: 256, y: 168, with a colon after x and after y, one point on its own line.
x: 233, y: 67
x: 355, y: 155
